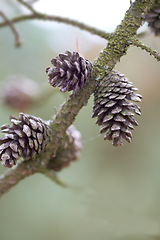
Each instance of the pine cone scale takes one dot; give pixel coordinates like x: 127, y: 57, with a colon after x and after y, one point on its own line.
x: 13, y: 146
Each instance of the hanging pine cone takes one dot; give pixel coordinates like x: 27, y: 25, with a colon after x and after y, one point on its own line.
x: 153, y: 18
x: 27, y: 136
x: 70, y: 73
x: 114, y: 109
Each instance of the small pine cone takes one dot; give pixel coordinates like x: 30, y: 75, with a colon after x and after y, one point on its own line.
x: 114, y: 109
x: 69, y: 150
x: 70, y: 73
x: 153, y: 18
x: 26, y: 137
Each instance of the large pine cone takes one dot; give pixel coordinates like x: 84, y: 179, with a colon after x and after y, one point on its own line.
x: 70, y: 73
x: 114, y: 109
x: 153, y: 18
x: 27, y: 136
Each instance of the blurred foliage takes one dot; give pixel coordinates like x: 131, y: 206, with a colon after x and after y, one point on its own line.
x: 113, y: 193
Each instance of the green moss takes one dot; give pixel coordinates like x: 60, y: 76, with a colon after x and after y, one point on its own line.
x: 120, y: 40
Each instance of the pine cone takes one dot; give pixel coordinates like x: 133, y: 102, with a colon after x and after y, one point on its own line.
x: 153, y: 18
x: 70, y: 73
x: 69, y: 150
x: 27, y: 137
x: 114, y: 109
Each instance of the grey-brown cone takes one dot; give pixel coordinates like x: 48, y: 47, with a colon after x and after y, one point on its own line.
x: 69, y: 150
x: 153, y: 18
x: 114, y: 107
x: 70, y: 71
x: 26, y: 137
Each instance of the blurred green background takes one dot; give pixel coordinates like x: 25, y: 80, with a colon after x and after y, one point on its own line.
x: 113, y: 193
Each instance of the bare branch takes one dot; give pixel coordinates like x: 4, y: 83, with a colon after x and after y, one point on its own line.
x: 23, y: 170
x: 28, y: 6
x: 12, y: 177
x: 15, y: 32
x: 137, y: 43
x: 68, y: 21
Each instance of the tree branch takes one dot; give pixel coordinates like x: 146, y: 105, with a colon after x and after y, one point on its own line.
x: 23, y: 170
x: 74, y: 23
x: 137, y: 43
x: 121, y: 38
x: 13, y: 29
x: 116, y: 48
x: 28, y: 6
x: 13, y: 176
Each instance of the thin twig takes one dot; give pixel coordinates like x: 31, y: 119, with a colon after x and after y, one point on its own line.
x: 68, y: 21
x: 15, y: 32
x: 28, y: 6
x: 53, y: 176
x: 137, y: 43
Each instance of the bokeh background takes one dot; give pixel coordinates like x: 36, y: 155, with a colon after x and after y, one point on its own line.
x: 113, y: 192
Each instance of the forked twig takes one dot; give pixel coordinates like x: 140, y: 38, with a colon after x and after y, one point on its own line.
x: 13, y: 29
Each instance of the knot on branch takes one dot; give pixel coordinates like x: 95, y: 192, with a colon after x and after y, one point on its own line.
x: 70, y: 71
x: 114, y: 108
x: 26, y: 137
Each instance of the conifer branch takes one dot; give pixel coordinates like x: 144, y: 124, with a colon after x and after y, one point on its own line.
x: 137, y: 43
x: 9, y: 23
x: 117, y: 46
x: 46, y: 17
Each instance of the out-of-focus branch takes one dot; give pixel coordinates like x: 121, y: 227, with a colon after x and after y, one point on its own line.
x: 12, y: 177
x: 137, y: 43
x: 28, y: 6
x: 74, y: 23
x: 13, y: 29
x: 23, y: 170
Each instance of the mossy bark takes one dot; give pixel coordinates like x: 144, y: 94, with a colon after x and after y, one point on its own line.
x: 121, y: 39
x: 117, y: 47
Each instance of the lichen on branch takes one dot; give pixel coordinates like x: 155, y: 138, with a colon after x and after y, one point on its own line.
x: 121, y: 39
x: 118, y: 43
